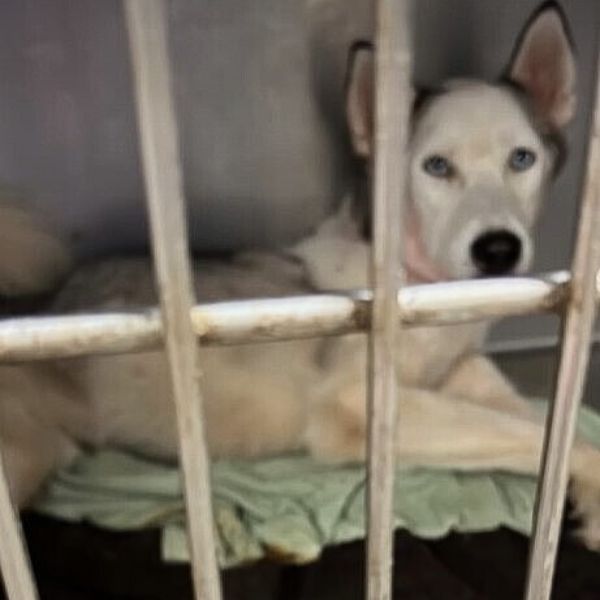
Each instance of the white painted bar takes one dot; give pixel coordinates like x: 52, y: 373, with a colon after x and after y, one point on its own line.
x: 270, y: 319
x: 575, y: 352
x: 14, y: 560
x: 147, y: 27
x: 392, y: 110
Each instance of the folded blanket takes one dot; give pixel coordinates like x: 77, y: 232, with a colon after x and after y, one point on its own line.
x: 289, y: 507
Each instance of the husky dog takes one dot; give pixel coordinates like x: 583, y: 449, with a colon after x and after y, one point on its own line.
x: 481, y: 158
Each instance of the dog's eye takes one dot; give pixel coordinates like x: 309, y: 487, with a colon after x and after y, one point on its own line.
x: 521, y: 159
x: 438, y: 166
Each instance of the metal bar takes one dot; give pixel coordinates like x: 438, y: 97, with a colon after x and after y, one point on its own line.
x: 147, y: 27
x: 14, y: 560
x: 265, y: 320
x: 575, y: 352
x: 392, y: 109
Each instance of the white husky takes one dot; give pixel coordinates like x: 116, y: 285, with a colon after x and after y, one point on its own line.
x: 481, y: 157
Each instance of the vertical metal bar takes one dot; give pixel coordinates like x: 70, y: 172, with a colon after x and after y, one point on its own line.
x: 392, y: 109
x: 147, y: 26
x: 575, y: 352
x: 14, y: 561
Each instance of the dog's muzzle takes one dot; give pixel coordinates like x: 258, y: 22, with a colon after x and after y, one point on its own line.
x: 496, y: 252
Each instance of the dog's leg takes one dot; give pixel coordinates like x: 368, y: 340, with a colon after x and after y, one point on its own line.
x: 38, y: 420
x: 439, y: 431
x: 477, y: 379
x: 29, y: 460
x: 434, y: 429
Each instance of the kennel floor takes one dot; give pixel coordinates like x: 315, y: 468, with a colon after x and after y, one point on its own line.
x: 81, y: 562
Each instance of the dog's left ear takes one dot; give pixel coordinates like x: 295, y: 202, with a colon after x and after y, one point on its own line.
x: 543, y: 66
x: 360, y: 98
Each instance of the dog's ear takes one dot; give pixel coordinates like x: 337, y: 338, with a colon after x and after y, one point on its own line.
x: 360, y: 98
x: 543, y: 66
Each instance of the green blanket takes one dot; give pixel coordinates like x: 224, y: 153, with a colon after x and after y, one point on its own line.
x: 289, y: 507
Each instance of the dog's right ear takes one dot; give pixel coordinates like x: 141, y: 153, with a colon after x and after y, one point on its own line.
x: 543, y: 66
x: 360, y: 98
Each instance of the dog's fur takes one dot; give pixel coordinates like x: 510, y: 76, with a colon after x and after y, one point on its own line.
x: 34, y: 259
x: 456, y: 409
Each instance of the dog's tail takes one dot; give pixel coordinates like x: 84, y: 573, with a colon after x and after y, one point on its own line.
x: 33, y: 259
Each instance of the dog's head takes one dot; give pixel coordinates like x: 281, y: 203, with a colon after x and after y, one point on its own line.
x: 481, y: 156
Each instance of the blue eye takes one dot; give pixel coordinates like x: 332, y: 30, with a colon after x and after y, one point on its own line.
x: 521, y: 159
x: 438, y: 166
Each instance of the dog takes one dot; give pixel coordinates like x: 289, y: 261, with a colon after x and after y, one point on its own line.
x: 481, y: 158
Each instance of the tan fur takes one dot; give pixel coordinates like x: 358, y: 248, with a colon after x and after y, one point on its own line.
x: 456, y: 410
x: 33, y: 258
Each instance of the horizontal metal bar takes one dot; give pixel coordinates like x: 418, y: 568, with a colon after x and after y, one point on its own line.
x: 263, y: 320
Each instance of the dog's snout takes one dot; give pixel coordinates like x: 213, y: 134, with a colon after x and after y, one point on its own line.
x: 496, y: 252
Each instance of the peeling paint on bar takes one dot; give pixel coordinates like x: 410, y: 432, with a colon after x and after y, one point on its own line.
x: 393, y: 94
x: 147, y: 28
x: 271, y: 319
x: 577, y: 338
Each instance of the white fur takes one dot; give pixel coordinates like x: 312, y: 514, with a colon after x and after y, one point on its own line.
x: 476, y: 126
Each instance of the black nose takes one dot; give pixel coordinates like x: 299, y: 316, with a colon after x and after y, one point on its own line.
x: 496, y: 252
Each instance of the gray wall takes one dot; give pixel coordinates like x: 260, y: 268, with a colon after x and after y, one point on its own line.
x: 259, y: 89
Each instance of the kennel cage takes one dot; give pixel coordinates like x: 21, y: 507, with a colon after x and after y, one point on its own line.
x: 178, y: 323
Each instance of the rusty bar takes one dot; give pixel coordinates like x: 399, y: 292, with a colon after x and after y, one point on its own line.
x: 392, y: 108
x: 575, y: 352
x: 14, y: 560
x: 271, y: 319
x: 147, y: 27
